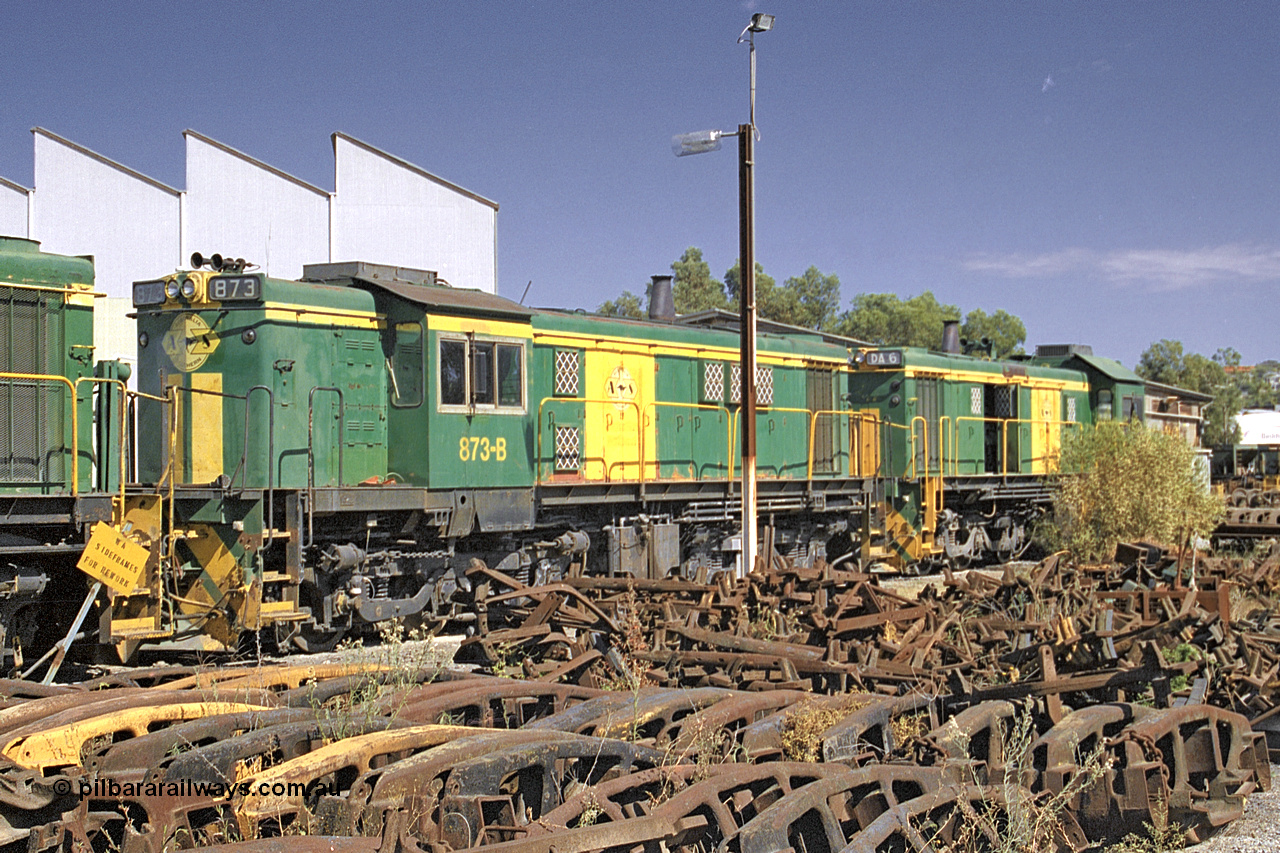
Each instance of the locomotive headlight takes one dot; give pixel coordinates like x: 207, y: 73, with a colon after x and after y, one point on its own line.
x: 188, y: 287
x: 171, y: 288
x: 860, y: 357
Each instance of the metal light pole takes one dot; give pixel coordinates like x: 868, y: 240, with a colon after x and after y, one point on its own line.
x: 747, y: 323
x: 709, y: 140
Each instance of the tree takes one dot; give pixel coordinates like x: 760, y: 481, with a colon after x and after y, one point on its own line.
x: 817, y: 298
x: 694, y: 289
x: 627, y: 304
x: 1005, y: 331
x: 1164, y: 362
x: 886, y: 320
x: 772, y: 302
x: 1122, y: 483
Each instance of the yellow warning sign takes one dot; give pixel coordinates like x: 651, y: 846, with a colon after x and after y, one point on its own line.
x: 113, y: 559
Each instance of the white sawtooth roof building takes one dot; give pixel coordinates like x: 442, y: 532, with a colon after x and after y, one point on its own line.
x: 382, y: 209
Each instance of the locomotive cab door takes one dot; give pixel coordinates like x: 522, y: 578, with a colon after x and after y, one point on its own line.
x: 1000, y: 430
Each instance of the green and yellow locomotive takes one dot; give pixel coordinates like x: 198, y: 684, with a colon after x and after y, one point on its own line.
x: 61, y: 444
x: 312, y: 457
x: 336, y: 451
x: 963, y: 449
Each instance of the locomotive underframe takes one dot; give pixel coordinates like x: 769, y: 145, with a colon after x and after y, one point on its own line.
x: 336, y: 561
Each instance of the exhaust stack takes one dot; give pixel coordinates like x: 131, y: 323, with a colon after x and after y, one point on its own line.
x: 662, y: 302
x: 951, y: 336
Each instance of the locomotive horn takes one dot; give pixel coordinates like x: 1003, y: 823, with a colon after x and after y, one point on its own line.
x: 197, y: 260
x: 216, y: 262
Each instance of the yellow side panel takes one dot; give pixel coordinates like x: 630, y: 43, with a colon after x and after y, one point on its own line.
x: 619, y: 387
x: 1046, y: 429
x: 206, y: 427
x: 866, y: 442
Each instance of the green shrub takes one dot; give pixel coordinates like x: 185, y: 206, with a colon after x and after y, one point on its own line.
x: 1125, y: 482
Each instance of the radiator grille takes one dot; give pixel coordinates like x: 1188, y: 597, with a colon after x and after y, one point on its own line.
x: 31, y: 411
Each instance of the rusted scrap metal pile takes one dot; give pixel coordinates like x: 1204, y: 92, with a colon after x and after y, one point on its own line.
x: 1076, y: 634
x: 388, y: 759
x: 794, y: 710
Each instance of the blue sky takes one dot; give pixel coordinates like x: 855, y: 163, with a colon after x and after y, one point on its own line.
x: 1106, y: 171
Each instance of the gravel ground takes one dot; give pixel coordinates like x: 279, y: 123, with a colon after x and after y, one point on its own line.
x: 1257, y: 832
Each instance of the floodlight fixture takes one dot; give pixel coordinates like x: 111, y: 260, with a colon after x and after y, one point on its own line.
x: 698, y: 142
x: 760, y: 23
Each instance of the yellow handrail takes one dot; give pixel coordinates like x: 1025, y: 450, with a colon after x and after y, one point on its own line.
x: 75, y: 419
x: 595, y: 401
x: 813, y: 432
x: 760, y: 410
x: 123, y: 390
x: 1031, y: 423
x: 657, y: 463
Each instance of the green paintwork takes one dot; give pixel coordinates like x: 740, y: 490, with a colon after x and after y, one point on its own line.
x: 45, y: 334
x: 290, y: 357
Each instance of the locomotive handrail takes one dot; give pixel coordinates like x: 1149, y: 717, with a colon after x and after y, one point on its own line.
x: 123, y: 388
x: 133, y: 397
x: 1004, y: 441
x: 657, y: 463
x: 75, y: 418
x: 311, y: 457
x: 855, y: 439
x: 762, y: 410
x: 271, y: 457
x: 813, y: 433
x: 1030, y: 423
x: 926, y: 476
x: 595, y: 401
x: 209, y: 392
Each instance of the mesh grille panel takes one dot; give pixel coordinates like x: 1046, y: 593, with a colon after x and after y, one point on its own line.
x: 568, y: 449
x: 567, y: 373
x: 713, y: 381
x: 31, y: 411
x: 1003, y: 402
x: 764, y: 386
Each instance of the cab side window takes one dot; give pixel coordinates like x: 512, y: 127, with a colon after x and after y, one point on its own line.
x: 453, y: 373
x: 480, y: 374
x: 406, y: 366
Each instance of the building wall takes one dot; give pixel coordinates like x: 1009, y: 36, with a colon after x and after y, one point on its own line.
x: 242, y: 207
x: 114, y: 334
x: 388, y: 211
x: 384, y: 210
x: 13, y: 210
x: 87, y: 205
